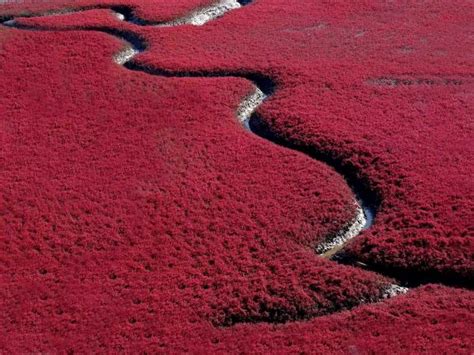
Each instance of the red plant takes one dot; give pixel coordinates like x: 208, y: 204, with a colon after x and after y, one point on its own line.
x: 137, y: 214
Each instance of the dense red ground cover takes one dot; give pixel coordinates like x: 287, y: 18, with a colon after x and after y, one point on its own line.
x: 151, y: 10
x: 412, y: 142
x: 137, y: 214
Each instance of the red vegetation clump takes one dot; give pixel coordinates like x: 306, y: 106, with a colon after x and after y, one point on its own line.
x: 119, y: 184
x: 137, y: 214
x: 150, y: 10
x: 409, y: 140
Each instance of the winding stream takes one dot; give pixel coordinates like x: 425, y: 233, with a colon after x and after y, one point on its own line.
x: 365, y: 203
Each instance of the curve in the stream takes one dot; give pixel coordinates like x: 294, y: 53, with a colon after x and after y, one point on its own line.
x: 366, y: 201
